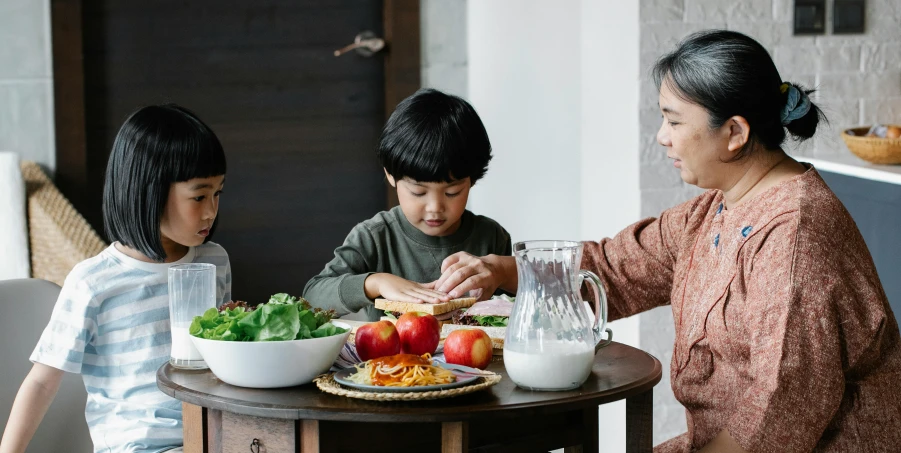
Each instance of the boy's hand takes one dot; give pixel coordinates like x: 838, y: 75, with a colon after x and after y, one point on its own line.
x: 392, y: 287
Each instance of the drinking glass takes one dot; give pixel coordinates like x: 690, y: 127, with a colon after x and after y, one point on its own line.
x: 192, y: 291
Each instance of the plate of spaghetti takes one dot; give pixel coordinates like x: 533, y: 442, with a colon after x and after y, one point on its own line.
x: 403, y: 373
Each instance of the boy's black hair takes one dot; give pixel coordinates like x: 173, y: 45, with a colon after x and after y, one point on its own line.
x: 156, y: 146
x: 434, y: 137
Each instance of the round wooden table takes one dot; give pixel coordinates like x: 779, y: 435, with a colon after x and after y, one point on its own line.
x: 219, y: 417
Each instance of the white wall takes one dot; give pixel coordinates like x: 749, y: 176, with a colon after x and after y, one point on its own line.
x: 444, y: 58
x: 557, y: 89
x: 524, y: 80
x: 26, y: 81
x: 557, y: 86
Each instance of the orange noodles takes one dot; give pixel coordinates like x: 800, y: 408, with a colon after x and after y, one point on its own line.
x: 401, y: 370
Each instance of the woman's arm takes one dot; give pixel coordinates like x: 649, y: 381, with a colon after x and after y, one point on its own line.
x: 32, y: 402
x: 636, y: 266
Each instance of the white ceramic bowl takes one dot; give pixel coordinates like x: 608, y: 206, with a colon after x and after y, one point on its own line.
x: 270, y: 364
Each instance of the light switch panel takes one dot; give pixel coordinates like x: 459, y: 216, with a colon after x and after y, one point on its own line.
x: 810, y: 17
x: 848, y: 16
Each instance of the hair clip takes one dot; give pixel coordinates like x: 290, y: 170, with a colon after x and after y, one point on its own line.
x: 797, y: 104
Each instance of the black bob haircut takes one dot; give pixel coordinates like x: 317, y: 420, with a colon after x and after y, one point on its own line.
x: 434, y: 137
x: 728, y: 74
x: 156, y: 146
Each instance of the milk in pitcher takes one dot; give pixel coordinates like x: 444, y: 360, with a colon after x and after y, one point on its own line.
x: 559, y: 365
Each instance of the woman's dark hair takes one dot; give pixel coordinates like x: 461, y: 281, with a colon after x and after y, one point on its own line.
x: 434, y: 137
x: 729, y: 74
x: 156, y: 146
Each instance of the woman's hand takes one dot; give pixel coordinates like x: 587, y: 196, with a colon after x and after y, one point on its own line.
x: 394, y: 288
x: 462, y: 272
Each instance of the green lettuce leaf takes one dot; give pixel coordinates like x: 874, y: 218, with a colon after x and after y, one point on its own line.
x: 283, y: 317
x: 491, y: 321
x: 272, y: 322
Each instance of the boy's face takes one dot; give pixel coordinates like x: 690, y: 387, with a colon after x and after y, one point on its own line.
x: 435, y: 208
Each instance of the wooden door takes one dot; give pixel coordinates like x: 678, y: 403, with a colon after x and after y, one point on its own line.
x: 299, y: 126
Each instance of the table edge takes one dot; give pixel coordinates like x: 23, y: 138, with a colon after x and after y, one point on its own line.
x: 190, y: 396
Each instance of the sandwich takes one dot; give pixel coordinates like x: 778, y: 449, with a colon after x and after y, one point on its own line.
x: 490, y: 313
x: 491, y: 316
x: 444, y: 311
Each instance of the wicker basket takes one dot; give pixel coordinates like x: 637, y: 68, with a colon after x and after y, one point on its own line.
x: 873, y: 149
x: 59, y: 236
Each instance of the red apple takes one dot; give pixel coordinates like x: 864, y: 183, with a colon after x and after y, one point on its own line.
x: 377, y: 339
x: 468, y: 347
x: 419, y: 333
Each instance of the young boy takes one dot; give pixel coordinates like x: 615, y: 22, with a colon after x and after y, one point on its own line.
x: 434, y: 148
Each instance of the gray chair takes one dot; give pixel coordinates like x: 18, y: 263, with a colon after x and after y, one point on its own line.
x: 25, y: 307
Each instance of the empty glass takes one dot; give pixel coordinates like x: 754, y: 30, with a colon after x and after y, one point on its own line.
x: 552, y: 335
x: 192, y: 291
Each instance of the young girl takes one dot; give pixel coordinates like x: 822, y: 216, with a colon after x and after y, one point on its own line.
x: 111, y: 321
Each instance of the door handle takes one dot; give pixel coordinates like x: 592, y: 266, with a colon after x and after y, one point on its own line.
x: 365, y: 44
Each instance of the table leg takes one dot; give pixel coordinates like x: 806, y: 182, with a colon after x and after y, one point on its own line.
x: 639, y: 419
x: 308, y: 437
x: 454, y: 437
x: 194, y: 428
x: 588, y: 433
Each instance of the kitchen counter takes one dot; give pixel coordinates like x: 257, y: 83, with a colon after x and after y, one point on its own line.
x: 850, y: 165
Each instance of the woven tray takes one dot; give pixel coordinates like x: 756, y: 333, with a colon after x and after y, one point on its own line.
x: 327, y: 384
x: 885, y: 151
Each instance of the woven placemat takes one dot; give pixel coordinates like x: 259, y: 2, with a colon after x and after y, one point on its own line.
x: 327, y: 384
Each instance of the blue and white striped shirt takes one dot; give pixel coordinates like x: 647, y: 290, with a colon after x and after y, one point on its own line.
x: 111, y: 325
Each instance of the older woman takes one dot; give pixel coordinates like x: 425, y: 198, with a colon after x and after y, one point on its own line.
x: 785, y: 341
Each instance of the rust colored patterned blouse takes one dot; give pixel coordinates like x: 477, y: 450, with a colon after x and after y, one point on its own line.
x: 784, y: 335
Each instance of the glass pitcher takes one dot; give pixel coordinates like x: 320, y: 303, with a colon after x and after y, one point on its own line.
x: 551, y: 336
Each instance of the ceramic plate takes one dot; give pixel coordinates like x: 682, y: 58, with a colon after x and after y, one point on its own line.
x: 465, y: 376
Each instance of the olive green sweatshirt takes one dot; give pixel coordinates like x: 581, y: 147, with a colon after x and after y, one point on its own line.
x: 389, y: 243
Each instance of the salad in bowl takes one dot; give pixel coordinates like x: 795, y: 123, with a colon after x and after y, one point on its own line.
x: 280, y: 343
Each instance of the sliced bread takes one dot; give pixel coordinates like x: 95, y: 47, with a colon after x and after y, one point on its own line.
x: 432, y: 309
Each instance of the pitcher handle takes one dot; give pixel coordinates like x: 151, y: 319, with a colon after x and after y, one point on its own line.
x: 600, y: 310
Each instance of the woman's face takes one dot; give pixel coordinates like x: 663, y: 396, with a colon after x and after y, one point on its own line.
x: 698, y: 151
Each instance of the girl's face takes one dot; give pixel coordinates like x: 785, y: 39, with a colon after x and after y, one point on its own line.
x: 699, y: 152
x: 190, y: 210
x: 435, y: 208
